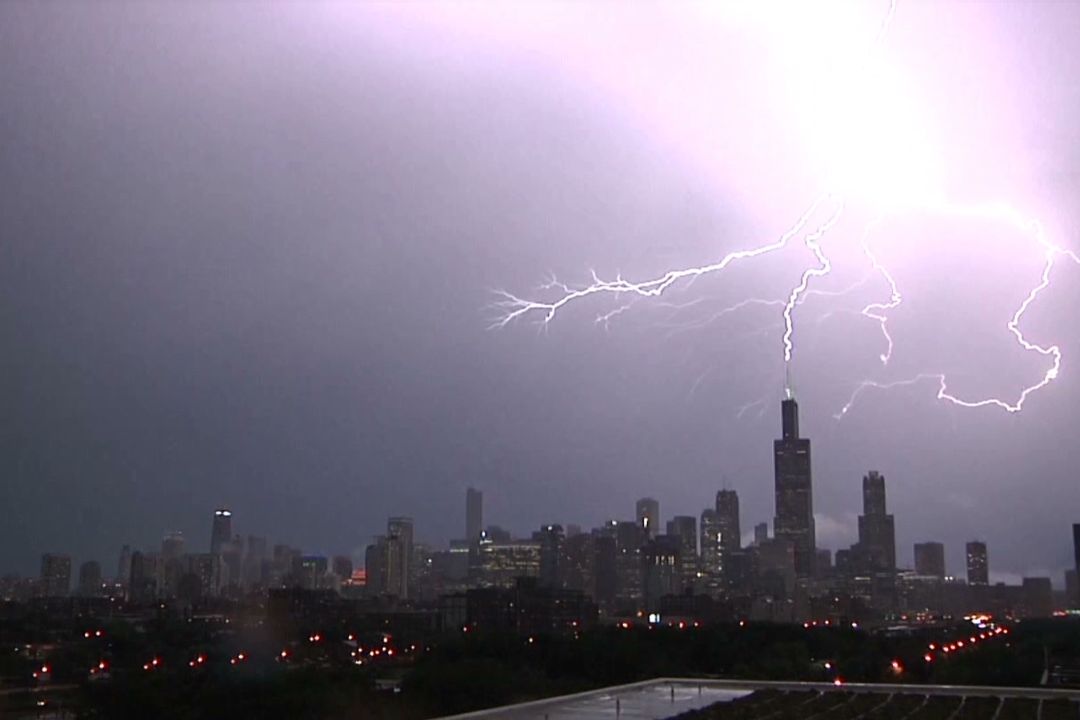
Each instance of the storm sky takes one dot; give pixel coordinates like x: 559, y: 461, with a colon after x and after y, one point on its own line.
x: 248, y: 255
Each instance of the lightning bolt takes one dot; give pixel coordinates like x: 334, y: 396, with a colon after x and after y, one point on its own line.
x: 875, y: 311
x: 512, y: 308
x: 813, y: 243
x: 1051, y: 252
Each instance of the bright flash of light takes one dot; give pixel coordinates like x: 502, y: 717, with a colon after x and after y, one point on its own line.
x: 871, y: 145
x: 514, y: 307
x: 1051, y: 252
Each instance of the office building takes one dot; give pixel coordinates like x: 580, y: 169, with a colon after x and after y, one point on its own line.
x: 90, y: 578
x: 256, y: 563
x: 761, y: 533
x: 474, y: 514
x: 210, y: 572
x: 727, y: 521
x: 877, y: 533
x: 978, y: 567
x: 794, y: 521
x: 552, y: 555
x: 503, y: 562
x: 310, y: 572
x: 55, y: 575
x: 930, y: 559
x: 221, y: 531
x: 123, y: 568
x: 375, y: 566
x: 629, y: 537
x: 399, y: 535
x: 342, y: 567
x: 684, y: 528
x: 711, y: 564
x: 172, y: 545
x: 660, y: 571
x: 647, y: 512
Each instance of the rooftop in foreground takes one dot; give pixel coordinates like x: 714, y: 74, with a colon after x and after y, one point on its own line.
x: 668, y: 697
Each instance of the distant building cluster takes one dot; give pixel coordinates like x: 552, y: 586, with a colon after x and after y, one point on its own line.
x: 689, y: 566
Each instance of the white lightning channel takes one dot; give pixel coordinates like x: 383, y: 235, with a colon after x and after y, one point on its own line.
x: 514, y: 307
x: 999, y: 212
x: 813, y: 243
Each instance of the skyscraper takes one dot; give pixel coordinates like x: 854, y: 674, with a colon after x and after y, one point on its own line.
x: 474, y: 514
x: 930, y: 559
x: 978, y: 567
x: 727, y: 520
x: 711, y: 536
x: 761, y: 533
x: 55, y: 575
x: 123, y: 568
x: 648, y: 516
x: 877, y: 533
x: 399, y: 536
x: 90, y: 578
x: 172, y: 545
x: 684, y: 527
x: 794, y: 521
x: 552, y: 555
x: 221, y: 531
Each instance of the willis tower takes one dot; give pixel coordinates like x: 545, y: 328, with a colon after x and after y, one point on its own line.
x: 794, y: 521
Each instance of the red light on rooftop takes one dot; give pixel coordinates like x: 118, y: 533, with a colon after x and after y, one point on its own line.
x: 928, y: 657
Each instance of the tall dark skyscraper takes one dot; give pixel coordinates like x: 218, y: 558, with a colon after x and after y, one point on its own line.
x: 711, y: 564
x: 172, y: 545
x: 978, y: 567
x: 399, y: 534
x: 930, y: 559
x: 794, y: 521
x: 221, y: 531
x: 684, y: 527
x: 55, y: 575
x: 877, y: 532
x: 90, y: 578
x: 648, y: 516
x: 761, y: 533
x: 727, y: 520
x: 474, y: 514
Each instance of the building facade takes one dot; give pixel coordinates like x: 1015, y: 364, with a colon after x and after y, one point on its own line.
x: 877, y: 532
x: 930, y: 559
x: 794, y: 521
x: 978, y: 566
x: 221, y: 531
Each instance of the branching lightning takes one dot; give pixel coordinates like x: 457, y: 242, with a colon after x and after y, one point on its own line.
x: 1051, y: 252
x: 512, y: 308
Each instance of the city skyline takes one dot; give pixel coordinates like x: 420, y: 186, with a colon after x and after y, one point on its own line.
x: 386, y: 560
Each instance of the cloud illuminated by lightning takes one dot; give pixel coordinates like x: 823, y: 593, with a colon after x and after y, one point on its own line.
x: 514, y: 307
x: 893, y: 165
x: 1051, y: 252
